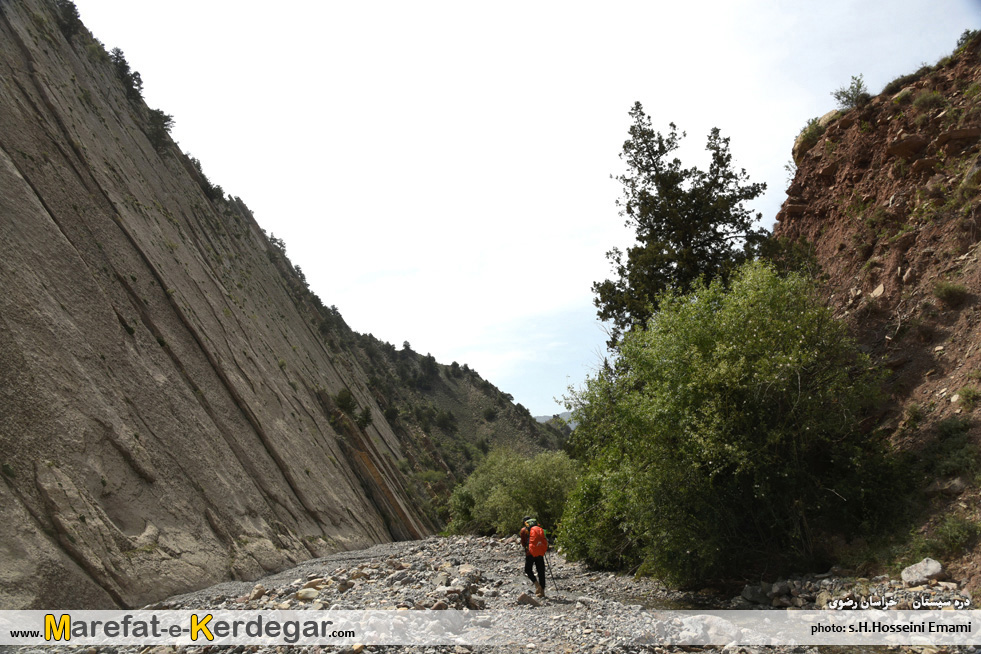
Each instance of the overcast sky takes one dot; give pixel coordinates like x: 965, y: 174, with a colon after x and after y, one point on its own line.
x: 441, y: 170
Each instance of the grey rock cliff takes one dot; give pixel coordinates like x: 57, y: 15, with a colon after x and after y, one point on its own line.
x: 165, y: 414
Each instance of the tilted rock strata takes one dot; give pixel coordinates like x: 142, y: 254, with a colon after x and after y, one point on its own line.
x: 162, y: 415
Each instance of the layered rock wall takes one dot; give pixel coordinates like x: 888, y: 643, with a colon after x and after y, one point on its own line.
x: 163, y: 422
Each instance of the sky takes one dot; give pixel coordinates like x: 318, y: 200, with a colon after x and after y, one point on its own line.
x: 442, y: 170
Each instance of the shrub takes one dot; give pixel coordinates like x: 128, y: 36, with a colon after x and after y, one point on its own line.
x: 951, y: 294
x: 904, y: 97
x: 966, y: 37
x: 928, y: 100
x: 955, y: 534
x: 810, y: 134
x: 951, y: 452
x: 914, y: 416
x: 430, y: 476
x: 132, y: 82
x: 364, y: 417
x: 158, y: 129
x: 214, y: 192
x: 969, y: 397
x: 728, y: 434
x: 901, y: 82
x: 854, y: 95
x: 66, y: 14
x: 345, y: 401
x: 507, y: 486
x: 446, y: 421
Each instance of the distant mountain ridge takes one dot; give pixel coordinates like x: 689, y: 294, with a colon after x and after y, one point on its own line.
x: 565, y: 415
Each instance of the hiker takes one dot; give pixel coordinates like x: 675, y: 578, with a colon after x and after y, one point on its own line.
x: 535, y: 544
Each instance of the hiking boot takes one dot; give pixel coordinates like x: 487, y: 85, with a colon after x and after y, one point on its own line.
x: 539, y: 590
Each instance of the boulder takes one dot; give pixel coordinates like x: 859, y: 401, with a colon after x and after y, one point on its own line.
x: 307, y: 594
x: 908, y: 147
x: 959, y: 134
x: 922, y: 572
x: 925, y: 165
x: 753, y: 593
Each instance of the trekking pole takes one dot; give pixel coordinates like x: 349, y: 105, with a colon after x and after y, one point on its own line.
x: 548, y: 564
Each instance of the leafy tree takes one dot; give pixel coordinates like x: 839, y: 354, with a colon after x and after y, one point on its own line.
x: 66, y: 14
x: 346, y: 402
x: 131, y: 79
x: 690, y: 223
x: 364, y: 418
x: 966, y: 37
x: 446, y: 421
x: 726, y: 433
x: 159, y: 128
x: 507, y: 486
x: 854, y: 95
x: 214, y: 192
x: 428, y: 371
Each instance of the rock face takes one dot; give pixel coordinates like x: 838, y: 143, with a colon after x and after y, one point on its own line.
x: 170, y: 390
x: 889, y: 198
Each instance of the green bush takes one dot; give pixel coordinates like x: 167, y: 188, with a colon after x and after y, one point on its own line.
x: 966, y: 37
x: 446, y: 421
x: 346, y: 402
x: 507, y: 486
x: 904, y: 97
x: 727, y: 434
x: 69, y: 22
x: 955, y: 534
x: 810, y: 133
x: 951, y: 452
x: 969, y: 397
x: 951, y: 294
x: 903, y: 81
x: 132, y: 82
x: 364, y: 417
x: 927, y: 100
x: 158, y: 129
x: 854, y: 95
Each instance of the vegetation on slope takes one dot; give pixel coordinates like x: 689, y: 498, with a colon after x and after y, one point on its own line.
x: 728, y: 434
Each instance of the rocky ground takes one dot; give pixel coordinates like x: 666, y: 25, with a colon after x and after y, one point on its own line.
x: 583, y: 611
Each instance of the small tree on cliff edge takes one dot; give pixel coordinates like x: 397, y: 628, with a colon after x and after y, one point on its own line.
x: 690, y: 223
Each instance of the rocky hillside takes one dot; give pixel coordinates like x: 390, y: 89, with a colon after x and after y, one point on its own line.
x: 887, y: 195
x: 176, y: 407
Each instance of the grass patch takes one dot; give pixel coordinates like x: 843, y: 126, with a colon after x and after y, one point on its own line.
x: 928, y: 101
x: 952, y: 452
x: 951, y: 294
x: 969, y: 397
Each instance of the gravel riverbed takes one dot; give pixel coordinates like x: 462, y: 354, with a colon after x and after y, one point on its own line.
x: 583, y: 611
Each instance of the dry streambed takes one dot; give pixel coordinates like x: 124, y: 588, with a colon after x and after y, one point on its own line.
x: 584, y: 611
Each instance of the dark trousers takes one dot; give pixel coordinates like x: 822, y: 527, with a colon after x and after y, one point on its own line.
x: 539, y: 562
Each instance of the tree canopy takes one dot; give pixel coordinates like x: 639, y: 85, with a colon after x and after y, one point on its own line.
x: 727, y: 432
x: 690, y: 223
x: 507, y: 486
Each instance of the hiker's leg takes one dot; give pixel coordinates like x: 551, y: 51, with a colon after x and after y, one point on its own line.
x: 540, y: 566
x: 529, y: 560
